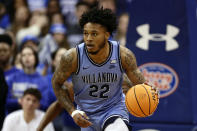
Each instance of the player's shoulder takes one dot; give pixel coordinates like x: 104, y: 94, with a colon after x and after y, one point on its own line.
x: 70, y: 54
x: 125, y: 51
x: 127, y: 57
x: 69, y: 60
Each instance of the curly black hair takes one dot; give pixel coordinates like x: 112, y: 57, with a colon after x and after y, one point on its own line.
x: 5, y: 38
x: 104, y: 17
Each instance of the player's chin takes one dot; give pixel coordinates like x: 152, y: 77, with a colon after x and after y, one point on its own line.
x: 92, y: 52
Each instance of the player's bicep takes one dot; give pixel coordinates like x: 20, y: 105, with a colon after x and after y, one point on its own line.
x: 65, y: 68
x: 130, y: 66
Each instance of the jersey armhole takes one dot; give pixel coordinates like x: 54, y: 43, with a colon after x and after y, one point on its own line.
x: 78, y: 60
x: 119, y: 57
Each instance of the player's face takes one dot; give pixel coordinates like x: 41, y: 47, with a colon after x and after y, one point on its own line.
x: 5, y: 52
x: 29, y: 103
x: 28, y: 58
x: 95, y: 37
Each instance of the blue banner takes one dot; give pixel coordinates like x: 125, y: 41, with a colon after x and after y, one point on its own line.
x: 158, y: 36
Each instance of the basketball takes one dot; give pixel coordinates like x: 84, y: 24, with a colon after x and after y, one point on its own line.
x: 140, y: 101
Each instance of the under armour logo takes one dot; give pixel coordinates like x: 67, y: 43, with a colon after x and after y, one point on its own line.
x: 171, y: 32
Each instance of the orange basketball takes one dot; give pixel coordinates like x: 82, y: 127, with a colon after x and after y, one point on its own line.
x: 140, y: 102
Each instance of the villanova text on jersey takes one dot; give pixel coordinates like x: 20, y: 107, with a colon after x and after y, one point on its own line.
x: 100, y: 77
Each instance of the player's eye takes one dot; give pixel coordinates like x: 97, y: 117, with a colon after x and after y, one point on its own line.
x: 94, y: 34
x: 85, y: 33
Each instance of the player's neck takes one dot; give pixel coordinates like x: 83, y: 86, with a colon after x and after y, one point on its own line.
x: 102, y: 55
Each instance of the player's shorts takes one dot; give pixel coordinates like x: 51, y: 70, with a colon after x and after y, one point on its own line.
x: 99, y: 119
x: 112, y: 119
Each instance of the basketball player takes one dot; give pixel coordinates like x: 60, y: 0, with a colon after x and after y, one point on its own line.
x: 96, y: 67
x: 55, y: 108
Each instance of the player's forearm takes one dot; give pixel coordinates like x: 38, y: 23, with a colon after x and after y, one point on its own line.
x: 136, y: 77
x: 139, y: 78
x: 63, y: 98
x: 52, y: 112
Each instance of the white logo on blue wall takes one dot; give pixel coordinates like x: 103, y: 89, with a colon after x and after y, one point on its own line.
x: 162, y: 76
x: 144, y: 31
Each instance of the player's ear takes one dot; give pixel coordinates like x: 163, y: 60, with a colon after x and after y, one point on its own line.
x: 107, y: 35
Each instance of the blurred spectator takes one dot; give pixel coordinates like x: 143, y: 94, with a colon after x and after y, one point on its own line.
x: 25, y: 79
x: 92, y: 3
x: 54, y: 40
x: 30, y: 40
x: 36, y: 24
x: 109, y: 4
x: 4, y: 17
x: 53, y: 7
x: 75, y: 33
x: 21, y: 19
x: 121, y: 34
x: 57, y: 18
x: 3, y: 90
x: 68, y: 10
x: 2, y: 31
x: 5, y: 56
x: 12, y: 6
x: 17, y: 61
x: 19, y: 3
x: 33, y: 42
x: 37, y: 5
x: 117, y: 6
x: 28, y: 118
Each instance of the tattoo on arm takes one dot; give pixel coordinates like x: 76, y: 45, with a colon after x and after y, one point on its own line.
x: 139, y: 76
x: 130, y: 61
x: 62, y: 72
x: 65, y: 100
x: 131, y: 68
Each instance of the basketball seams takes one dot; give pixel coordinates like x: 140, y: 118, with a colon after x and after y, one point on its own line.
x: 138, y: 102
x: 148, y: 98
x: 131, y: 109
x: 155, y: 107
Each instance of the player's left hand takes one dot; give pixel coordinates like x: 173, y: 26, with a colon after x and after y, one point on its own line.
x: 154, y: 90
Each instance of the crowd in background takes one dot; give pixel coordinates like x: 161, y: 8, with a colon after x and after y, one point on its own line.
x: 33, y: 36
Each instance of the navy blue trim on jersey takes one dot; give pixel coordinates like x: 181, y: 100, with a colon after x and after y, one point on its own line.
x: 78, y: 60
x: 119, y: 57
x: 99, y: 65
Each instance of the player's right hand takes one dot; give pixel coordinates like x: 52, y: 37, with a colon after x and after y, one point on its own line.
x: 81, y: 119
